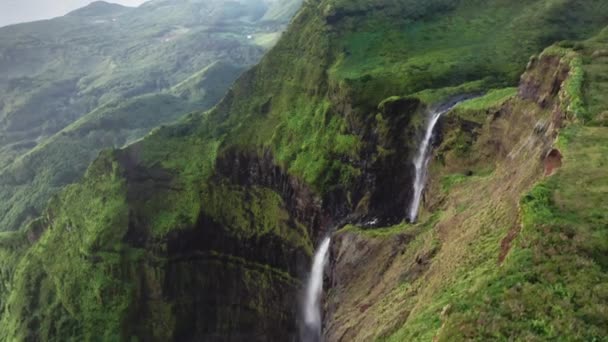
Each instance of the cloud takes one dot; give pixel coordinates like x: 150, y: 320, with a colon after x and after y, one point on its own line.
x: 17, y: 11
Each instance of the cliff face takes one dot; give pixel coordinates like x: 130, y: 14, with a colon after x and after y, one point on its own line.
x: 510, y: 212
x: 204, y: 230
x: 500, y: 159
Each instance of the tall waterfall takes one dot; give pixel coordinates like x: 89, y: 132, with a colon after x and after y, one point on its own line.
x: 422, y: 162
x: 314, y: 290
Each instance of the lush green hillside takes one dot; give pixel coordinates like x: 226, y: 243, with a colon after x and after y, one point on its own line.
x: 129, y: 69
x: 28, y: 183
x: 512, y: 244
x: 56, y: 71
x: 203, y: 230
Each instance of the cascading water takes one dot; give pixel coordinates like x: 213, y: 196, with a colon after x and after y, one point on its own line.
x: 314, y: 290
x: 422, y: 162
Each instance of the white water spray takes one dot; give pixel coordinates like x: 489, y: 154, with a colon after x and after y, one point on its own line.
x: 422, y: 162
x: 314, y: 290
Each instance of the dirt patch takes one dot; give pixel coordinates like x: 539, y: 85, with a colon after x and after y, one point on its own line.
x: 507, y: 242
x: 553, y: 161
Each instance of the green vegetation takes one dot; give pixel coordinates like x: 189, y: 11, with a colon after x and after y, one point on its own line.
x: 388, y: 232
x: 520, y: 257
x: 453, y: 43
x: 85, y: 60
x: 574, y: 89
x: 552, y: 285
x: 434, y: 96
x: 451, y: 180
x: 309, y: 143
x: 27, y: 184
x: 595, y: 85
x: 253, y: 213
x: 494, y: 98
x: 309, y: 136
x: 47, y: 138
x: 84, y: 224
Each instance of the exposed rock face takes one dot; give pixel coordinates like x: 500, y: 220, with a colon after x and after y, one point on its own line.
x: 389, y: 176
x: 248, y: 169
x: 553, y: 161
x: 543, y: 80
x: 352, y: 291
x: 215, y: 285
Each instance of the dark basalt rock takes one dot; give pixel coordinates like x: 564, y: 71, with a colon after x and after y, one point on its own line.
x: 223, y: 288
x: 215, y: 285
x: 208, y: 236
x: 249, y: 169
x: 392, y: 174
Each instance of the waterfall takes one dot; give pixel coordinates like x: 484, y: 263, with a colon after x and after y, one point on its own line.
x: 422, y: 162
x: 314, y: 290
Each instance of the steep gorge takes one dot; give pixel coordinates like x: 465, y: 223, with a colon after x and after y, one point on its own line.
x: 204, y: 230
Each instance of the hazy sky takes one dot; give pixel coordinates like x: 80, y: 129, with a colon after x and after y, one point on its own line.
x: 17, y: 11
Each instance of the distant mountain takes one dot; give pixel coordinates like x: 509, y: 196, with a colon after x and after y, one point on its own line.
x: 14, y: 12
x: 102, y: 59
x: 99, y: 9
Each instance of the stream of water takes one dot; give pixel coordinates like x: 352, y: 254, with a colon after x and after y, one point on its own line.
x: 313, y: 294
x: 421, y: 162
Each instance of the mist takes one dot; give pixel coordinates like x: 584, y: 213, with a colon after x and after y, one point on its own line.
x: 19, y: 11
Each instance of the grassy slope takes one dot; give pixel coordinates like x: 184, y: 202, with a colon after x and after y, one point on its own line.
x: 288, y: 105
x: 28, y: 183
x: 50, y: 315
x: 469, y: 41
x: 552, y: 283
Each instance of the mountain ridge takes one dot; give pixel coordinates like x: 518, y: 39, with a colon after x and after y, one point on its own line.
x: 34, y: 116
